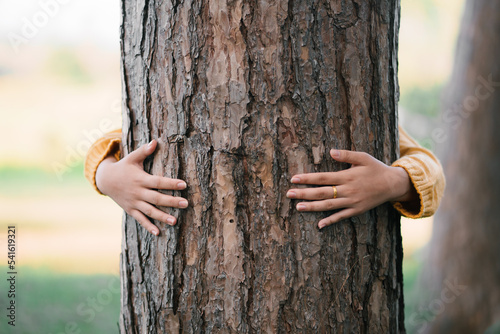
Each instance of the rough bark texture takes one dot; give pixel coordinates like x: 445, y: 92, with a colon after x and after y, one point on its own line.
x: 464, y: 265
x: 242, y: 95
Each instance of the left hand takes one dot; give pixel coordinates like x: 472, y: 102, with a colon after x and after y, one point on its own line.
x: 367, y: 184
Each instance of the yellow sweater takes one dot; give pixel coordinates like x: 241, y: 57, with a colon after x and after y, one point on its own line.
x: 422, y: 166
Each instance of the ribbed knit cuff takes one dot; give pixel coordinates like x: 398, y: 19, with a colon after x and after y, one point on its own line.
x: 99, y: 151
x: 421, y: 183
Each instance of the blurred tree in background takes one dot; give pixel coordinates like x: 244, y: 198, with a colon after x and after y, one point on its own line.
x: 463, y: 268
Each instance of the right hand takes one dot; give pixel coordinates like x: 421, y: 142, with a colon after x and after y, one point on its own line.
x: 136, y: 191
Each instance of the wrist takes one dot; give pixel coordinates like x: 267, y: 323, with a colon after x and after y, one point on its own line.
x: 101, y: 174
x: 404, y: 191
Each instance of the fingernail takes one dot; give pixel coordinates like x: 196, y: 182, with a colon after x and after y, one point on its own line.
x: 295, y: 179
x: 301, y: 207
x: 150, y: 144
x: 291, y: 194
x: 321, y: 225
x: 335, y: 153
x: 181, y: 185
x: 171, y: 221
x: 155, y: 232
x: 183, y: 204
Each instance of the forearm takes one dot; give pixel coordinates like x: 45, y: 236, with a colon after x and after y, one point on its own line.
x: 108, y: 145
x: 100, y: 175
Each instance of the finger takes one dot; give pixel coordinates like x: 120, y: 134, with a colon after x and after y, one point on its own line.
x: 325, y: 178
x: 145, y: 222
x: 160, y: 182
x: 337, y: 216
x: 156, y: 213
x: 351, y: 157
x: 139, y: 155
x: 313, y: 193
x: 157, y: 198
x: 324, y: 205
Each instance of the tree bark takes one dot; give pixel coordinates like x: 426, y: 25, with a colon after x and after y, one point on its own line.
x: 242, y: 95
x: 463, y: 269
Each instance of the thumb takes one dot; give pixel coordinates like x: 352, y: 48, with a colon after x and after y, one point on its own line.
x: 139, y: 155
x: 351, y: 157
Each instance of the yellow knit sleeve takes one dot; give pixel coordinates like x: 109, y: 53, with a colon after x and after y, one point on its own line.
x: 426, y: 175
x: 108, y: 145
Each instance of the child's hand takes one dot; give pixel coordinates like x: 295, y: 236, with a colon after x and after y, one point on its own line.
x: 133, y: 189
x: 367, y: 184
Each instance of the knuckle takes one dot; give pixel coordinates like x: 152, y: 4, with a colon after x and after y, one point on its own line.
x: 136, y: 180
x: 329, y: 205
x: 148, y: 211
x: 347, y: 192
x: 139, y: 218
x: 302, y: 194
x: 326, y: 192
x: 127, y: 208
x: 349, y: 177
x: 356, y: 201
x: 136, y: 204
x: 320, y: 206
x: 322, y: 178
x: 350, y: 191
x: 156, y: 198
x: 364, y: 156
x: 157, y: 182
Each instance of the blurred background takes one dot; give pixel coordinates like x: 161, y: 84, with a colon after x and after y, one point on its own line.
x: 60, y: 90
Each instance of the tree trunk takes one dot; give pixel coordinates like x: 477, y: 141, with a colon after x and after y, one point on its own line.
x: 464, y: 267
x: 242, y: 95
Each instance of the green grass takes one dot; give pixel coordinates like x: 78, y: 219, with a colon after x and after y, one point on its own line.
x: 423, y: 100
x: 411, y: 271
x: 493, y: 329
x: 50, y: 303
x: 25, y: 180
